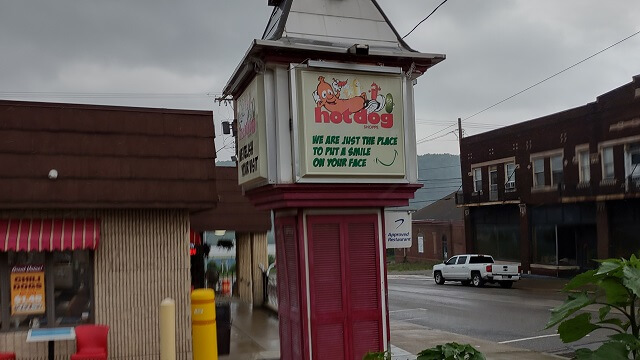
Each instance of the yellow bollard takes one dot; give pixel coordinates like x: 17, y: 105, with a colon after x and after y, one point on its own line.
x: 168, y: 329
x: 203, y: 321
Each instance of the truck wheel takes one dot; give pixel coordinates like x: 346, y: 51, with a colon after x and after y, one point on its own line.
x: 506, y: 284
x: 476, y: 280
x: 437, y: 276
x: 466, y: 282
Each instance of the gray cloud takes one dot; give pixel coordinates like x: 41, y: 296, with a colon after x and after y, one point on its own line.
x: 494, y: 48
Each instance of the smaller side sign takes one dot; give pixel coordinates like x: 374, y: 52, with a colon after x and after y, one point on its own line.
x: 252, y: 135
x: 397, y: 225
x: 27, y: 290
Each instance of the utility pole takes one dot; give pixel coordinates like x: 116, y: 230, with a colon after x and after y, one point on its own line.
x: 459, y: 132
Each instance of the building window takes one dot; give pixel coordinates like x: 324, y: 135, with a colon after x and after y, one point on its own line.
x: 477, y: 180
x: 538, y: 172
x: 510, y: 176
x: 46, y: 289
x: 584, y: 170
x: 607, y: 163
x: 556, y: 170
x: 493, y: 183
x: 633, y: 161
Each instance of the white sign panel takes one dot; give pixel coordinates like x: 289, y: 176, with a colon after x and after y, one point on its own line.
x: 398, y: 229
x: 351, y: 124
x: 420, y: 244
x: 252, y: 148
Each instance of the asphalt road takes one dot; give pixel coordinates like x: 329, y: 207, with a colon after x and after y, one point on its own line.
x: 514, y: 316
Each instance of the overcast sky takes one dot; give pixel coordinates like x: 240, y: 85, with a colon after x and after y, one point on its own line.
x: 179, y: 54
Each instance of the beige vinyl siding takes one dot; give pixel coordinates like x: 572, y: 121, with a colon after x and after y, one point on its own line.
x: 252, y: 251
x: 142, y: 258
x: 244, y: 266
x: 259, y: 251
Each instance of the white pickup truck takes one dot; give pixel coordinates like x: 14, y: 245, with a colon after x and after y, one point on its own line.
x: 477, y: 270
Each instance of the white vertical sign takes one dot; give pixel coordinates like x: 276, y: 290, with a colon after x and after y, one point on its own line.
x: 397, y: 225
x: 420, y: 244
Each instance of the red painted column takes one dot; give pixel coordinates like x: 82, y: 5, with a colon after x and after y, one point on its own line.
x: 330, y: 269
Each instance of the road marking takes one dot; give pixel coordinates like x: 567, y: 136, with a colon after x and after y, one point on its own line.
x: 410, y: 277
x: 529, y: 338
x: 395, y: 311
x: 416, y: 318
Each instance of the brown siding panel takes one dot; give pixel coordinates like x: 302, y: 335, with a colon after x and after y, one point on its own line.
x: 141, y: 158
x: 234, y: 211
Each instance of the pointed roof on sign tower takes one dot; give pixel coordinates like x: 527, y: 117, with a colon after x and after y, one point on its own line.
x: 355, y: 31
x: 333, y: 23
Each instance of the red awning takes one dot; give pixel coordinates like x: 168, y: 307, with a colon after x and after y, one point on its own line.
x: 49, y: 234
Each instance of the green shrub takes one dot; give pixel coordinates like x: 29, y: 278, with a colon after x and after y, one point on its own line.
x: 615, y: 286
x: 451, y: 351
x: 448, y: 351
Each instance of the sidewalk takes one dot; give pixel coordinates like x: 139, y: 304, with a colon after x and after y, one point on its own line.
x: 254, y: 336
x: 254, y: 333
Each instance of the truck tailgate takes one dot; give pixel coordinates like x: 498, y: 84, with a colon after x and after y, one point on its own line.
x: 505, y: 272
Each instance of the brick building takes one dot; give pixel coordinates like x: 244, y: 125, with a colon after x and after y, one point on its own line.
x: 559, y: 191
x: 437, y: 232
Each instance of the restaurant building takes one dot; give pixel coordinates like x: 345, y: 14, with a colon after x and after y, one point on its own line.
x: 94, y: 221
x: 437, y: 233
x: 557, y: 192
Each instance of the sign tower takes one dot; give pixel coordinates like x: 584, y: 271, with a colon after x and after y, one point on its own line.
x: 326, y: 139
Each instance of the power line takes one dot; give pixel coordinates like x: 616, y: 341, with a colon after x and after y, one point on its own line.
x: 441, y: 167
x: 423, y: 20
x: 435, y: 133
x: 435, y: 138
x: 552, y: 76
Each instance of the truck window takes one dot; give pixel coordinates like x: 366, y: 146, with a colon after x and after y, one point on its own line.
x: 452, y: 261
x: 462, y: 260
x: 481, y: 260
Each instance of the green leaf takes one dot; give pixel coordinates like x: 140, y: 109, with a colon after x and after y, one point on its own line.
x: 574, y: 303
x: 616, y: 322
x: 616, y: 293
x: 611, y: 350
x: 604, y: 311
x: 575, y: 329
x: 383, y: 355
x: 631, y: 341
x: 580, y: 280
x: 609, y: 266
x: 631, y: 279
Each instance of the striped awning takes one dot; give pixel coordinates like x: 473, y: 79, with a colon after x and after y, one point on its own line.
x: 49, y: 234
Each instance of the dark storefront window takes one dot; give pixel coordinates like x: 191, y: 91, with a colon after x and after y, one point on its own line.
x: 626, y: 241
x: 497, y: 232
x: 72, y: 284
x: 544, y: 245
x: 45, y: 289
x: 500, y: 241
x: 625, y: 227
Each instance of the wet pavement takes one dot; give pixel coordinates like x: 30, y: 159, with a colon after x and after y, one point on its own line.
x: 254, y: 334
